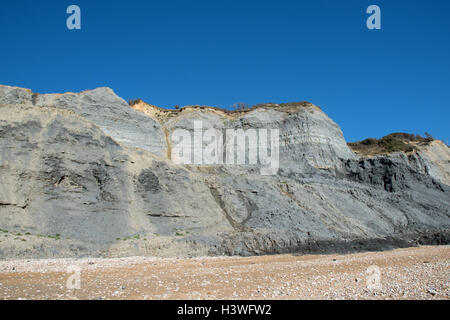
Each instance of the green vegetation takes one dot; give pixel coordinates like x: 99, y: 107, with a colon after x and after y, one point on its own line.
x: 393, y: 142
x: 135, y: 237
x: 56, y: 236
x: 18, y: 234
x: 295, y: 104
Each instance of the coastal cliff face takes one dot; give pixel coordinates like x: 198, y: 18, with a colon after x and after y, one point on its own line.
x: 86, y: 174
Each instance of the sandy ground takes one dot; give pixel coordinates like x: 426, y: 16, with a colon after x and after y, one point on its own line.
x: 414, y: 273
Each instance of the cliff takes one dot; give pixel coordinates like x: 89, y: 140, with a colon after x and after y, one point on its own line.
x: 86, y: 174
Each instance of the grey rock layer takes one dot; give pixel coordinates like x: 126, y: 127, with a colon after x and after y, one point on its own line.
x: 85, y: 175
x: 103, y: 108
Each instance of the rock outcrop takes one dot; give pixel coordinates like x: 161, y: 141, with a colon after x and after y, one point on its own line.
x: 85, y: 174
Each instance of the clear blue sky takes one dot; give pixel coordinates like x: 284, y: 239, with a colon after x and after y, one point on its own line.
x: 218, y: 52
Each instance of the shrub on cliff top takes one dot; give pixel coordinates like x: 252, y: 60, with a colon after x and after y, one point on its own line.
x: 394, y: 142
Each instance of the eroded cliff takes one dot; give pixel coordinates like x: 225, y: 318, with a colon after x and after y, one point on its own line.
x: 85, y: 174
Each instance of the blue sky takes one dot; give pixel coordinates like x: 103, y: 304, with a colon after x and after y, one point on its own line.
x: 216, y: 52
